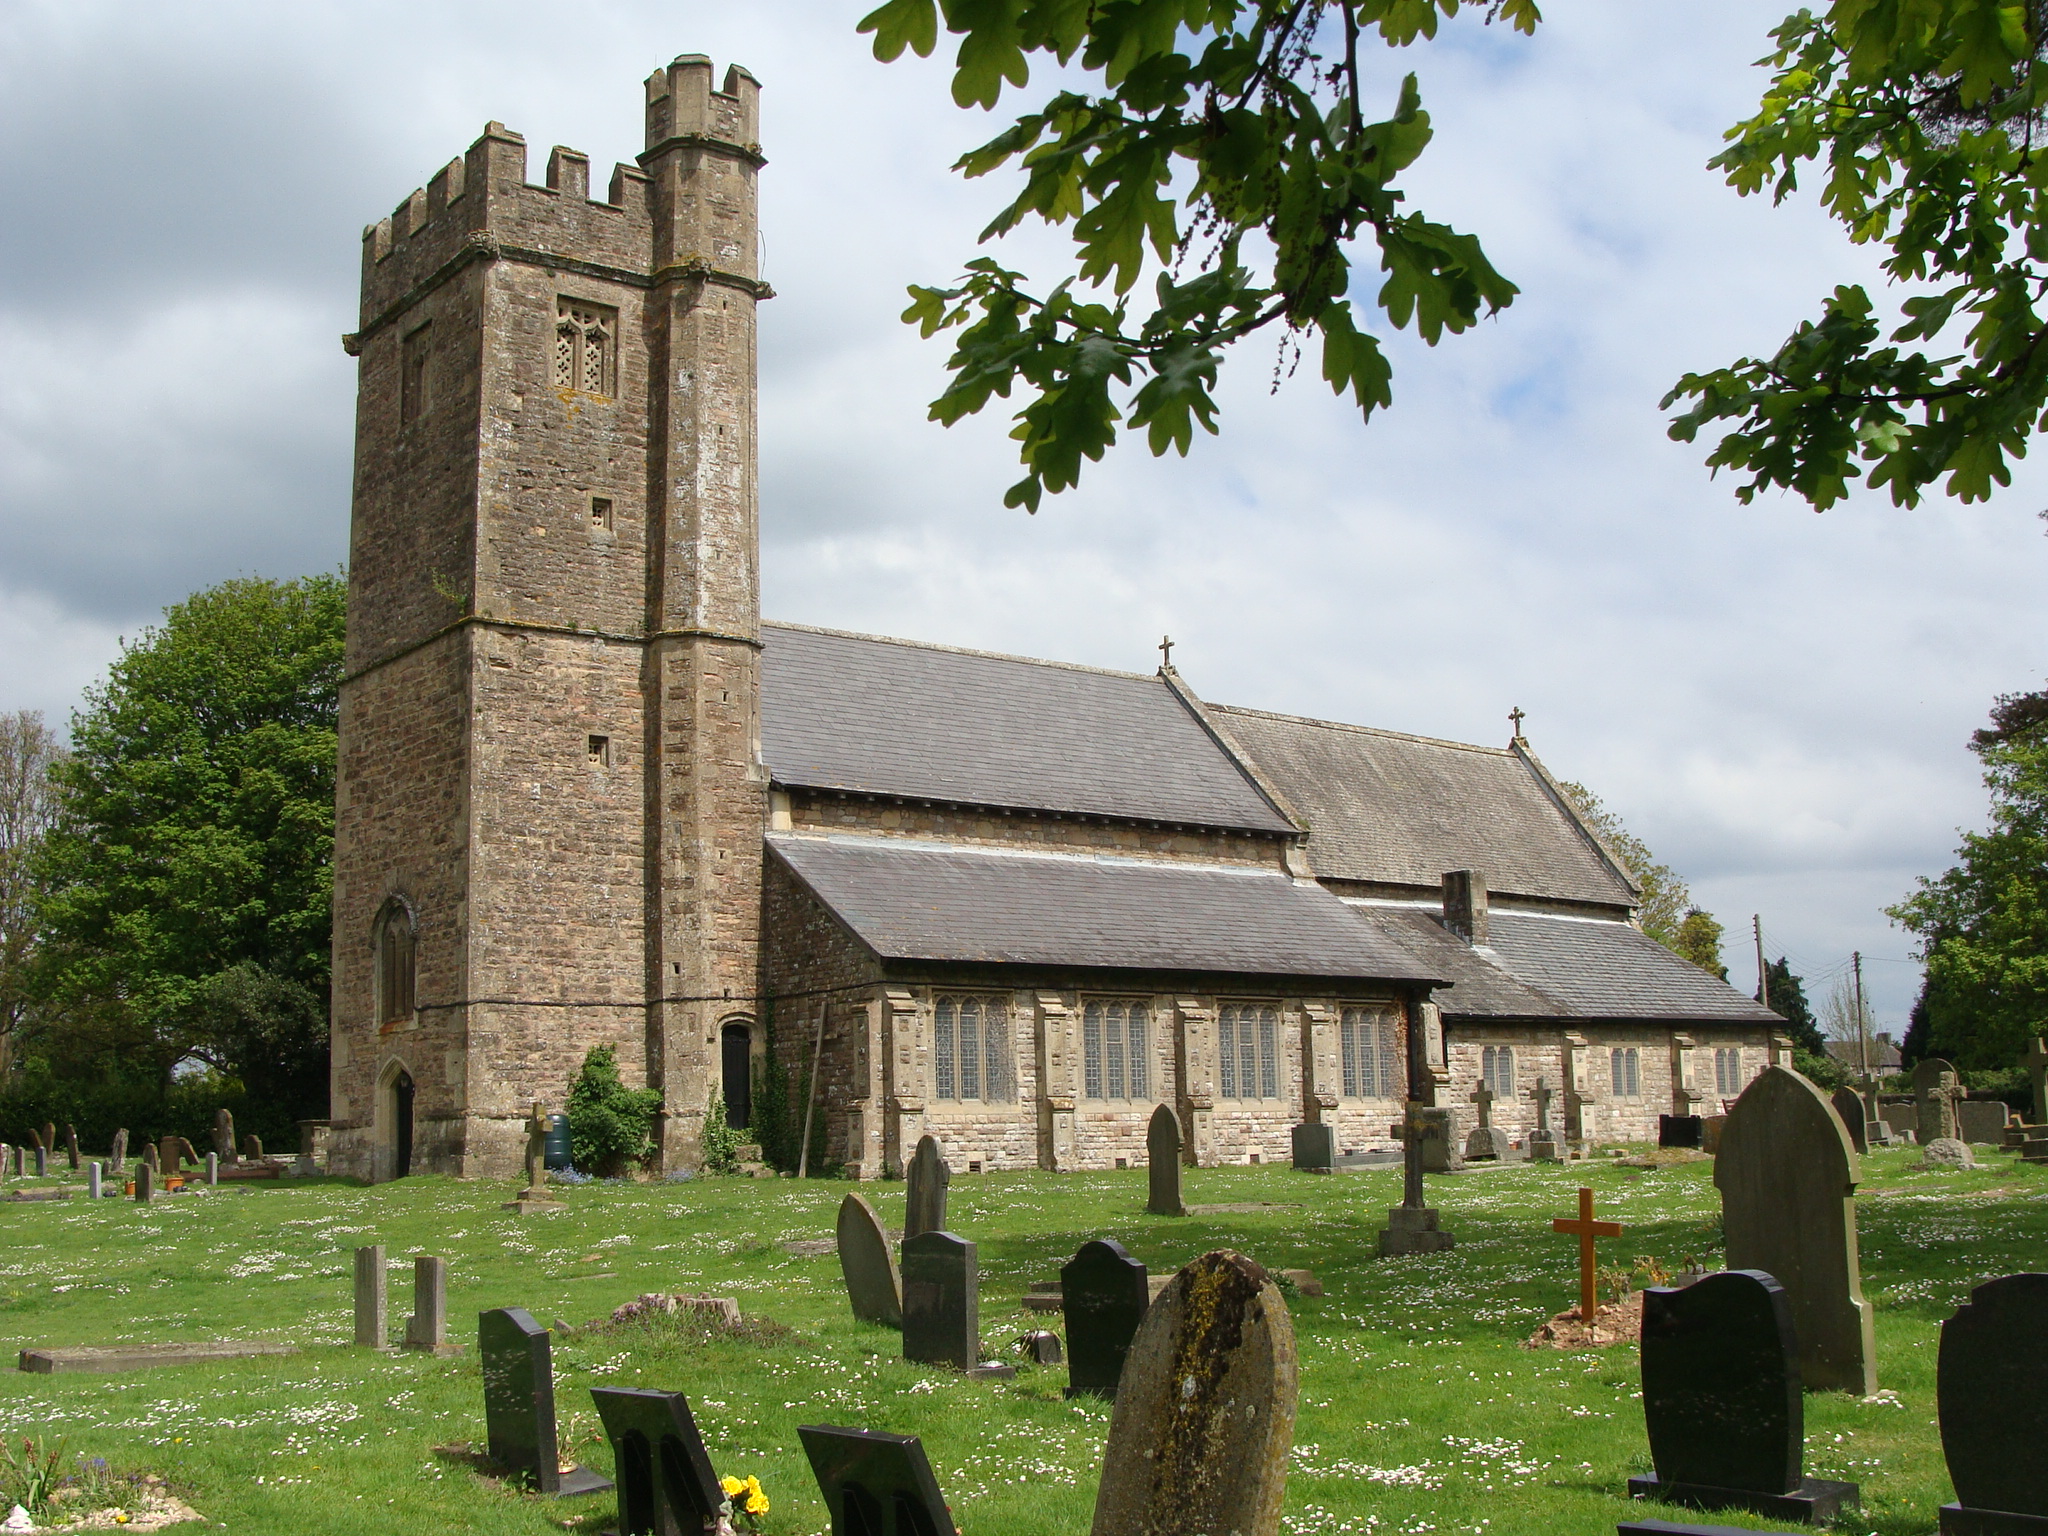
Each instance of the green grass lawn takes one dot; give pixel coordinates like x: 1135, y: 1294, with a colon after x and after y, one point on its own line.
x: 1421, y: 1411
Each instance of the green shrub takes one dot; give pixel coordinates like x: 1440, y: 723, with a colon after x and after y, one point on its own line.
x: 610, y: 1125
x: 721, y: 1141
x: 1822, y: 1071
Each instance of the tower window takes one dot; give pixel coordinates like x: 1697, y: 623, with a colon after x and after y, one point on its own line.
x: 600, y: 751
x: 413, y: 376
x: 394, y: 964
x: 586, y: 347
x: 600, y: 514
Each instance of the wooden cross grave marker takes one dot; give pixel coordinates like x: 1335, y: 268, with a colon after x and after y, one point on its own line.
x: 1586, y: 1229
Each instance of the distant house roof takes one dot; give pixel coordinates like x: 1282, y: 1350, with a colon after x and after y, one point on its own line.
x: 889, y: 717
x: 1884, y: 1053
x: 1537, y: 965
x: 1402, y: 810
x: 919, y: 901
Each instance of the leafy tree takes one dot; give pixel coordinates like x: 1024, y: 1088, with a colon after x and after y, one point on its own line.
x: 1233, y: 146
x: 1983, y: 925
x: 610, y: 1125
x: 28, y: 751
x: 186, y: 880
x: 1664, y: 896
x: 1929, y: 119
x: 1699, y: 940
x: 1787, y: 995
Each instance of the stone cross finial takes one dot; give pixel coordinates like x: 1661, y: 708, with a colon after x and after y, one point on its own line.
x: 1516, y: 717
x: 1166, y: 650
x: 1483, y: 1096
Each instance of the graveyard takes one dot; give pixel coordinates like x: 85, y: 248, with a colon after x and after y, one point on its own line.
x: 1421, y: 1407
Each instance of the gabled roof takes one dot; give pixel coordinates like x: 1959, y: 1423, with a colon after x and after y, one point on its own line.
x: 921, y: 901
x: 888, y: 717
x: 1537, y: 965
x: 1403, y: 810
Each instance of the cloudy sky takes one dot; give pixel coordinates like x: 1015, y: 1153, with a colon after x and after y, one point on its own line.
x: 1775, y: 701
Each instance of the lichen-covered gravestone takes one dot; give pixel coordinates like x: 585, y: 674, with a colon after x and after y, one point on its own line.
x: 1947, y: 1152
x: 1787, y: 1173
x: 925, y: 1180
x: 1162, y: 1164
x: 872, y: 1284
x: 519, y: 1404
x: 941, y: 1301
x: 1104, y: 1295
x: 1994, y: 1417
x: 1936, y: 1087
x: 1204, y: 1418
x: 1848, y: 1104
x: 1722, y: 1401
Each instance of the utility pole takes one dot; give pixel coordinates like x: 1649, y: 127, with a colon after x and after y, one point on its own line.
x: 1763, y: 972
x: 1862, y: 1020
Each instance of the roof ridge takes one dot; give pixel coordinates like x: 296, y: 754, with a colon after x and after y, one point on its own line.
x: 1362, y: 730
x: 962, y: 650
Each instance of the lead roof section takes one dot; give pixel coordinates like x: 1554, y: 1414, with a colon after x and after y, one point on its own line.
x: 872, y: 716
x: 915, y: 901
x: 1540, y: 966
x: 1403, y: 810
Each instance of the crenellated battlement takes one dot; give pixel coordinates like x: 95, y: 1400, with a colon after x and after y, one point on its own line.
x: 681, y: 105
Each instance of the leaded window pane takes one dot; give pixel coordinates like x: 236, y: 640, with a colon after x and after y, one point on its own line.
x: 996, y: 1084
x: 1141, y: 1053
x: 942, y: 1050
x: 1269, y: 1064
x: 1226, y: 1055
x: 1113, y: 1054
x: 1091, y: 1051
x: 1247, y: 1061
x: 970, y: 1049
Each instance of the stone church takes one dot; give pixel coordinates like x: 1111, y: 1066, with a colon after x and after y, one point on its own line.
x: 587, y: 797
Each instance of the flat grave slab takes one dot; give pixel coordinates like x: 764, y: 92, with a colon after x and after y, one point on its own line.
x: 142, y: 1357
x: 1673, y: 1528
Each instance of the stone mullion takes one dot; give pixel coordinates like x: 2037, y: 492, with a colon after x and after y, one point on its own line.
x: 1194, y: 1023
x: 1057, y: 1025
x: 906, y: 1054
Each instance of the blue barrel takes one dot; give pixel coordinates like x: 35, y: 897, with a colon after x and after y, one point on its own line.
x: 555, y: 1150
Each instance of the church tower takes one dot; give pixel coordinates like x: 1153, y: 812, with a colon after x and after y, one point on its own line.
x: 550, y: 800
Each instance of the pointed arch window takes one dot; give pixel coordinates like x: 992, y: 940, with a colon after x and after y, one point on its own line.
x: 395, y: 943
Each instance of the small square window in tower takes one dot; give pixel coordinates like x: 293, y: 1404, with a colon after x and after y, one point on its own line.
x: 600, y: 751
x: 414, y: 376
x: 586, y: 347
x: 600, y: 514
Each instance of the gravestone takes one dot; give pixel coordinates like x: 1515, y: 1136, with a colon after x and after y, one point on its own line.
x: 1722, y: 1401
x: 1104, y: 1296
x: 2036, y: 1063
x: 535, y: 1198
x: 875, y: 1484
x: 1981, y: 1122
x: 1204, y: 1419
x: 312, y: 1158
x: 1440, y: 1151
x: 92, y: 1181
x: 372, y: 1328
x: 1314, y: 1146
x: 213, y: 1169
x: 872, y: 1285
x: 1902, y: 1118
x: 1936, y: 1087
x: 1680, y: 1131
x: 1043, y: 1346
x: 119, y: 1156
x: 252, y: 1149
x: 1488, y: 1143
x: 1849, y: 1105
x: 1947, y: 1152
x: 145, y: 1182
x: 666, y: 1485
x: 941, y: 1301
x: 224, y: 1136
x: 427, y: 1328
x: 71, y: 1145
x: 1162, y: 1164
x: 519, y: 1404
x: 924, y: 1206
x: 1543, y: 1144
x: 42, y: 1162
x: 1787, y: 1173
x: 1994, y: 1418
x: 119, y: 1359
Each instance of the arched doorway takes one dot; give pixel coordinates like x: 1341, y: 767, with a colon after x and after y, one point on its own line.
x: 401, y: 1124
x: 736, y: 1058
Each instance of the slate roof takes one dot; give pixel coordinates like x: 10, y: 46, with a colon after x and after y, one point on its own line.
x: 889, y: 717
x: 1539, y: 966
x: 921, y: 901
x: 1402, y: 810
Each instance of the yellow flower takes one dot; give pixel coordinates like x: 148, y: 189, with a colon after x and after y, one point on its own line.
x: 757, y: 1503
x: 753, y: 1483
x: 731, y: 1485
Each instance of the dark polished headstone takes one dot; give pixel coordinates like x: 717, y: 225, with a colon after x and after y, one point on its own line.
x: 666, y: 1485
x: 1104, y: 1294
x: 1315, y: 1147
x: 941, y: 1301
x: 1722, y: 1404
x: 1162, y: 1164
x: 1677, y: 1528
x: 519, y: 1404
x: 925, y: 1180
x: 875, y: 1484
x: 1994, y: 1418
x: 1680, y: 1130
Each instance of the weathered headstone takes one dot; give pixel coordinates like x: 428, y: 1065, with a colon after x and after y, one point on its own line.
x: 2036, y: 1063
x: 312, y: 1158
x: 1787, y: 1173
x: 519, y: 1404
x: 875, y: 1484
x: 873, y: 1286
x: 47, y: 1139
x: 1680, y: 1131
x: 252, y: 1148
x: 1314, y: 1145
x: 118, y: 1158
x: 941, y: 1301
x: 145, y: 1182
x: 666, y: 1485
x: 1043, y: 1346
x: 1412, y: 1227
x: 1722, y: 1401
x: 224, y: 1136
x: 213, y: 1169
x: 1162, y: 1164
x: 1104, y: 1295
x: 1981, y: 1122
x: 535, y: 1198
x: 71, y: 1145
x: 1204, y: 1419
x: 42, y: 1162
x: 1947, y: 1152
x: 92, y: 1181
x: 1440, y: 1150
x: 427, y: 1328
x: 1487, y: 1143
x: 1848, y: 1104
x: 1902, y: 1118
x: 1994, y: 1418
x: 1543, y: 1143
x: 1936, y: 1087
x: 372, y: 1330
x: 924, y: 1205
